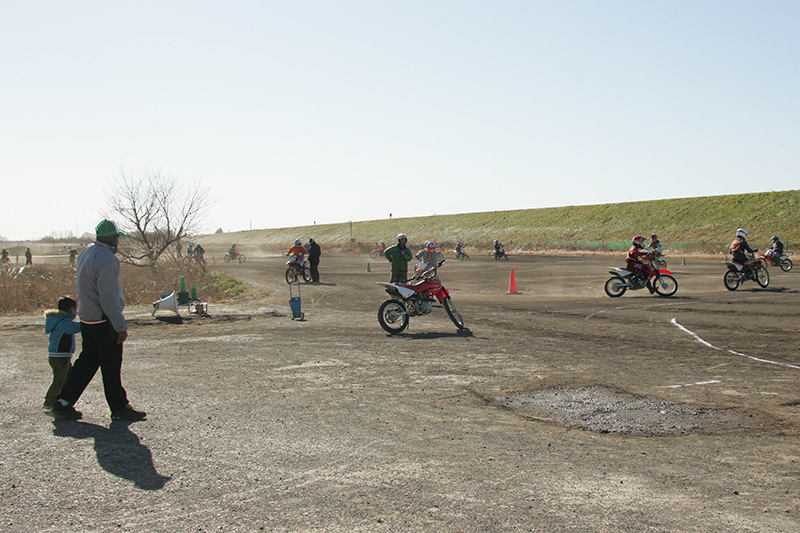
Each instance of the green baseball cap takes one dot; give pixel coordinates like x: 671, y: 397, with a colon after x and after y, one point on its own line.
x: 108, y: 228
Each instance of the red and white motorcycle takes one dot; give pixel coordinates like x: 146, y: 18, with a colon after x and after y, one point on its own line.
x: 660, y: 279
x: 415, y: 299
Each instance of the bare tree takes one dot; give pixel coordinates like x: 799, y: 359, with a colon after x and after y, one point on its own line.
x: 156, y: 212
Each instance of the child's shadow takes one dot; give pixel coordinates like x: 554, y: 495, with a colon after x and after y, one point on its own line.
x: 118, y: 450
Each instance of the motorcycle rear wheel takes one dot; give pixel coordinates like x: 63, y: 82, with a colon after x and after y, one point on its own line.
x: 452, y: 312
x: 762, y: 276
x: 307, y: 275
x: 613, y: 287
x: 731, y: 280
x: 393, y: 316
x: 227, y: 258
x: 786, y: 265
x: 665, y: 285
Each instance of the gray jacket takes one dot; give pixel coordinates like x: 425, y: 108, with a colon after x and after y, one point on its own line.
x: 99, y: 287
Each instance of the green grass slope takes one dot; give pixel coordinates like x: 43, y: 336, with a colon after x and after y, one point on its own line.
x: 703, y: 224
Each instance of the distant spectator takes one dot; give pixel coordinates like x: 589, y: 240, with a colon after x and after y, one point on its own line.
x: 28, y: 257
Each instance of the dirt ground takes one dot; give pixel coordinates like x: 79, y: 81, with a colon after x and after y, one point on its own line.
x: 559, y: 410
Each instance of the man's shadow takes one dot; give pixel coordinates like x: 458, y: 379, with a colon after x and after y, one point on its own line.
x: 119, y: 451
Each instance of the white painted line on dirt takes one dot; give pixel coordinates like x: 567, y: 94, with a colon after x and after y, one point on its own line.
x: 697, y: 338
x: 693, y: 384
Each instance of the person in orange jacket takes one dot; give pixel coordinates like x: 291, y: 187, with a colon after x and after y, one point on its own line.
x: 297, y: 252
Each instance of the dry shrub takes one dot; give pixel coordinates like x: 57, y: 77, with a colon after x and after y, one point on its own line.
x: 25, y: 289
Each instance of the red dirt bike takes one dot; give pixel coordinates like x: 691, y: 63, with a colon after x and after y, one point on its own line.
x: 754, y: 270
x: 782, y: 260
x: 236, y: 256
x: 415, y: 299
x: 661, y: 280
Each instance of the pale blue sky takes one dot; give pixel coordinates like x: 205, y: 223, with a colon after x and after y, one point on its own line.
x: 329, y: 111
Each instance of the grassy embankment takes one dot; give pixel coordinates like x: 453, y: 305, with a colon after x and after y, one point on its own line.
x: 702, y: 226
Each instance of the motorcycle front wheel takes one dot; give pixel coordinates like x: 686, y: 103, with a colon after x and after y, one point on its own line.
x: 665, y: 285
x: 615, y: 287
x: 786, y: 265
x: 227, y: 258
x: 452, y: 312
x: 393, y: 316
x: 762, y: 276
x: 731, y: 280
x: 242, y: 258
x: 291, y: 277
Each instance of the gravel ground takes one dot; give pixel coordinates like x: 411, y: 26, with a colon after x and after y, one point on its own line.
x: 561, y: 409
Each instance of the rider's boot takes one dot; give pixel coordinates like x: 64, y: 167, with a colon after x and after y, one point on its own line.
x: 650, y: 287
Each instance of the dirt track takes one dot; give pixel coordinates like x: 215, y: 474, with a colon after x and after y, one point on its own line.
x: 562, y: 410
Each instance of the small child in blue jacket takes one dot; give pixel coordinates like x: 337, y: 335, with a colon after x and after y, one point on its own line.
x: 61, y: 325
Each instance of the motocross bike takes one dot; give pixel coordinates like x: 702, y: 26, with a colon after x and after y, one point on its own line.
x: 238, y: 256
x: 377, y: 252
x: 462, y: 255
x: 754, y: 270
x: 782, y: 261
x: 498, y: 254
x: 416, y: 299
x: 296, y: 270
x: 661, y: 281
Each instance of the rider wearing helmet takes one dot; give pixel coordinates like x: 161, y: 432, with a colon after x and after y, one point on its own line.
x: 776, y: 250
x: 739, y: 246
x: 399, y: 255
x: 297, y: 252
x: 636, y: 261
x: 429, y: 256
x: 655, y: 245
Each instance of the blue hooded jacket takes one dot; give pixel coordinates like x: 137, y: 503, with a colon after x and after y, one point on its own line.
x: 62, y: 329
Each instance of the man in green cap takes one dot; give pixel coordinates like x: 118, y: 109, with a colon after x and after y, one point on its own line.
x: 103, y: 328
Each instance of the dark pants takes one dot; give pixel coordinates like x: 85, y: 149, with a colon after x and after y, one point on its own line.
x: 61, y: 367
x: 399, y: 276
x: 100, y: 350
x: 314, y: 267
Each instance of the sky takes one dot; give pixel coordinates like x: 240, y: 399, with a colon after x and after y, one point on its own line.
x: 327, y: 111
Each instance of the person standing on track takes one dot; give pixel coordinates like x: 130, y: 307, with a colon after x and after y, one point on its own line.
x: 313, y: 258
x: 399, y: 255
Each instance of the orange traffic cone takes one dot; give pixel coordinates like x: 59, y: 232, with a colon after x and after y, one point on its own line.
x: 512, y: 284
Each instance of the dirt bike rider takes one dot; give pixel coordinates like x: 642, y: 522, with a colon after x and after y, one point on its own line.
x: 738, y: 248
x: 636, y: 261
x: 429, y: 257
x: 382, y: 246
x: 776, y: 250
x: 655, y: 245
x: 498, y: 248
x: 297, y: 253
x: 459, y: 250
x: 4, y: 256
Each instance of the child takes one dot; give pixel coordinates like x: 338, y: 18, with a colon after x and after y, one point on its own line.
x: 60, y: 324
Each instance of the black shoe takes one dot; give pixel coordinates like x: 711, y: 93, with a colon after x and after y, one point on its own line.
x: 66, y: 411
x: 128, y: 413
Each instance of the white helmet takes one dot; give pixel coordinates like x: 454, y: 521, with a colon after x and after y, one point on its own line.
x: 298, y: 242
x: 741, y: 232
x: 401, y: 236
